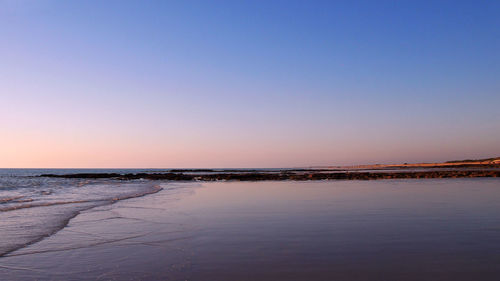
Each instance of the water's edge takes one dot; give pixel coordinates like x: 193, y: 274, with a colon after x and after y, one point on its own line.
x: 65, y: 222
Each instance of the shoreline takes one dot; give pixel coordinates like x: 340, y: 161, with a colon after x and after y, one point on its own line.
x: 277, y: 231
x: 64, y: 223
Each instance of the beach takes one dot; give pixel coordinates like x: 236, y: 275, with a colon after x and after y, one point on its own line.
x: 250, y: 140
x: 402, y: 229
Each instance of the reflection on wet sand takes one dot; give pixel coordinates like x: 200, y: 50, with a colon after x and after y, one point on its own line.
x: 315, y: 230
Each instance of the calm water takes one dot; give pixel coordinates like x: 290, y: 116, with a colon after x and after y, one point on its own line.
x: 442, y: 229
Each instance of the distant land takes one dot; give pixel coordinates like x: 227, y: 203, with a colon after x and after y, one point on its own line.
x: 448, y: 164
x: 452, y: 169
x: 478, y: 161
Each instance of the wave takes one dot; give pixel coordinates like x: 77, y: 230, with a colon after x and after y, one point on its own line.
x: 22, y: 225
x: 10, y: 199
x: 17, y: 199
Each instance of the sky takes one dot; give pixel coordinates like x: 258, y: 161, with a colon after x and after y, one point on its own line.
x: 167, y: 84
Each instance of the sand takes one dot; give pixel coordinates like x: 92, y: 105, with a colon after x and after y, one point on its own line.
x: 438, y: 229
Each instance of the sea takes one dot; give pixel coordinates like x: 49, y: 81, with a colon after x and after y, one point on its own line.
x: 34, y: 207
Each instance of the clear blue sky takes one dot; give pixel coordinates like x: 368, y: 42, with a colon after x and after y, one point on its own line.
x: 247, y: 83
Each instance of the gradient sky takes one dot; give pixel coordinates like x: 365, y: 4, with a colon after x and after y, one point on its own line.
x: 247, y: 83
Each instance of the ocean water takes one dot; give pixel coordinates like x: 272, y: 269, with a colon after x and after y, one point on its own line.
x: 33, y: 207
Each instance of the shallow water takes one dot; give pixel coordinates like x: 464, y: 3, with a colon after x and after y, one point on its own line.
x: 32, y: 207
x: 432, y: 229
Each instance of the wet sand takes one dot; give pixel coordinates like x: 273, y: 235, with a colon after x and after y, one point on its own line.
x: 437, y: 229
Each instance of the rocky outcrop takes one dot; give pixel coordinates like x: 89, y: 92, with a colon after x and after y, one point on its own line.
x: 287, y: 175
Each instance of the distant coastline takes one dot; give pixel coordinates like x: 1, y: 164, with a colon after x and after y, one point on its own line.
x: 452, y: 169
x: 478, y: 163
